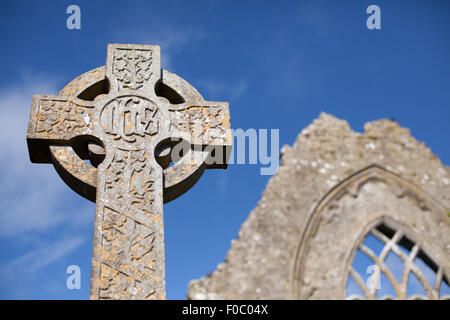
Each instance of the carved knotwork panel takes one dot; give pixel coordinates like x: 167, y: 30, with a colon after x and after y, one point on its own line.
x: 204, y: 124
x: 127, y: 248
x: 60, y: 117
x: 129, y: 255
x: 132, y: 67
x: 129, y: 179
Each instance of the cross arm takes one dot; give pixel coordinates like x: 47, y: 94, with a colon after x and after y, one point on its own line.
x: 207, y: 125
x: 56, y: 120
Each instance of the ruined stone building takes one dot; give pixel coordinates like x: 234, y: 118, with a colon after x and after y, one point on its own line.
x: 347, y: 215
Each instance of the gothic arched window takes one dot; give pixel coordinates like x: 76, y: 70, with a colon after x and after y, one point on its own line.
x: 390, y: 264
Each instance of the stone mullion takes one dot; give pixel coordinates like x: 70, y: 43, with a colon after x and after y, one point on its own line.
x: 423, y: 280
x: 383, y: 268
x: 360, y: 282
x: 380, y: 236
x: 438, y: 280
x: 407, y: 270
x: 389, y: 245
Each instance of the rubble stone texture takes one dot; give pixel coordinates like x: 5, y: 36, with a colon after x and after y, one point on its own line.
x: 127, y: 118
x: 335, y: 185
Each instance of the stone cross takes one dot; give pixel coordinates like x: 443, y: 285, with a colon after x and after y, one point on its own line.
x: 132, y: 120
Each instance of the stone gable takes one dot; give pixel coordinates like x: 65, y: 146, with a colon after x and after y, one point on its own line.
x: 333, y: 185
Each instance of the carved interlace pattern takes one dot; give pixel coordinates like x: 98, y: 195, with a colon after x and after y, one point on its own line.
x: 129, y: 174
x: 127, y: 261
x: 131, y: 67
x: 61, y: 117
x: 203, y: 123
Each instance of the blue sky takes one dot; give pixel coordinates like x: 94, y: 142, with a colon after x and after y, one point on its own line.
x: 278, y: 63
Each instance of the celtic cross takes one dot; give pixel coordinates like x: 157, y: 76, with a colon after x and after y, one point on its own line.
x: 149, y: 136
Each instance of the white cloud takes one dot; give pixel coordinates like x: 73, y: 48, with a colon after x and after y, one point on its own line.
x: 30, y: 193
x: 17, y: 274
x: 214, y: 90
x: 41, y: 257
x: 38, y: 214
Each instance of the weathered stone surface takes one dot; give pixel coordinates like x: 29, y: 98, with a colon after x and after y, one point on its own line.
x: 127, y: 118
x: 333, y: 186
